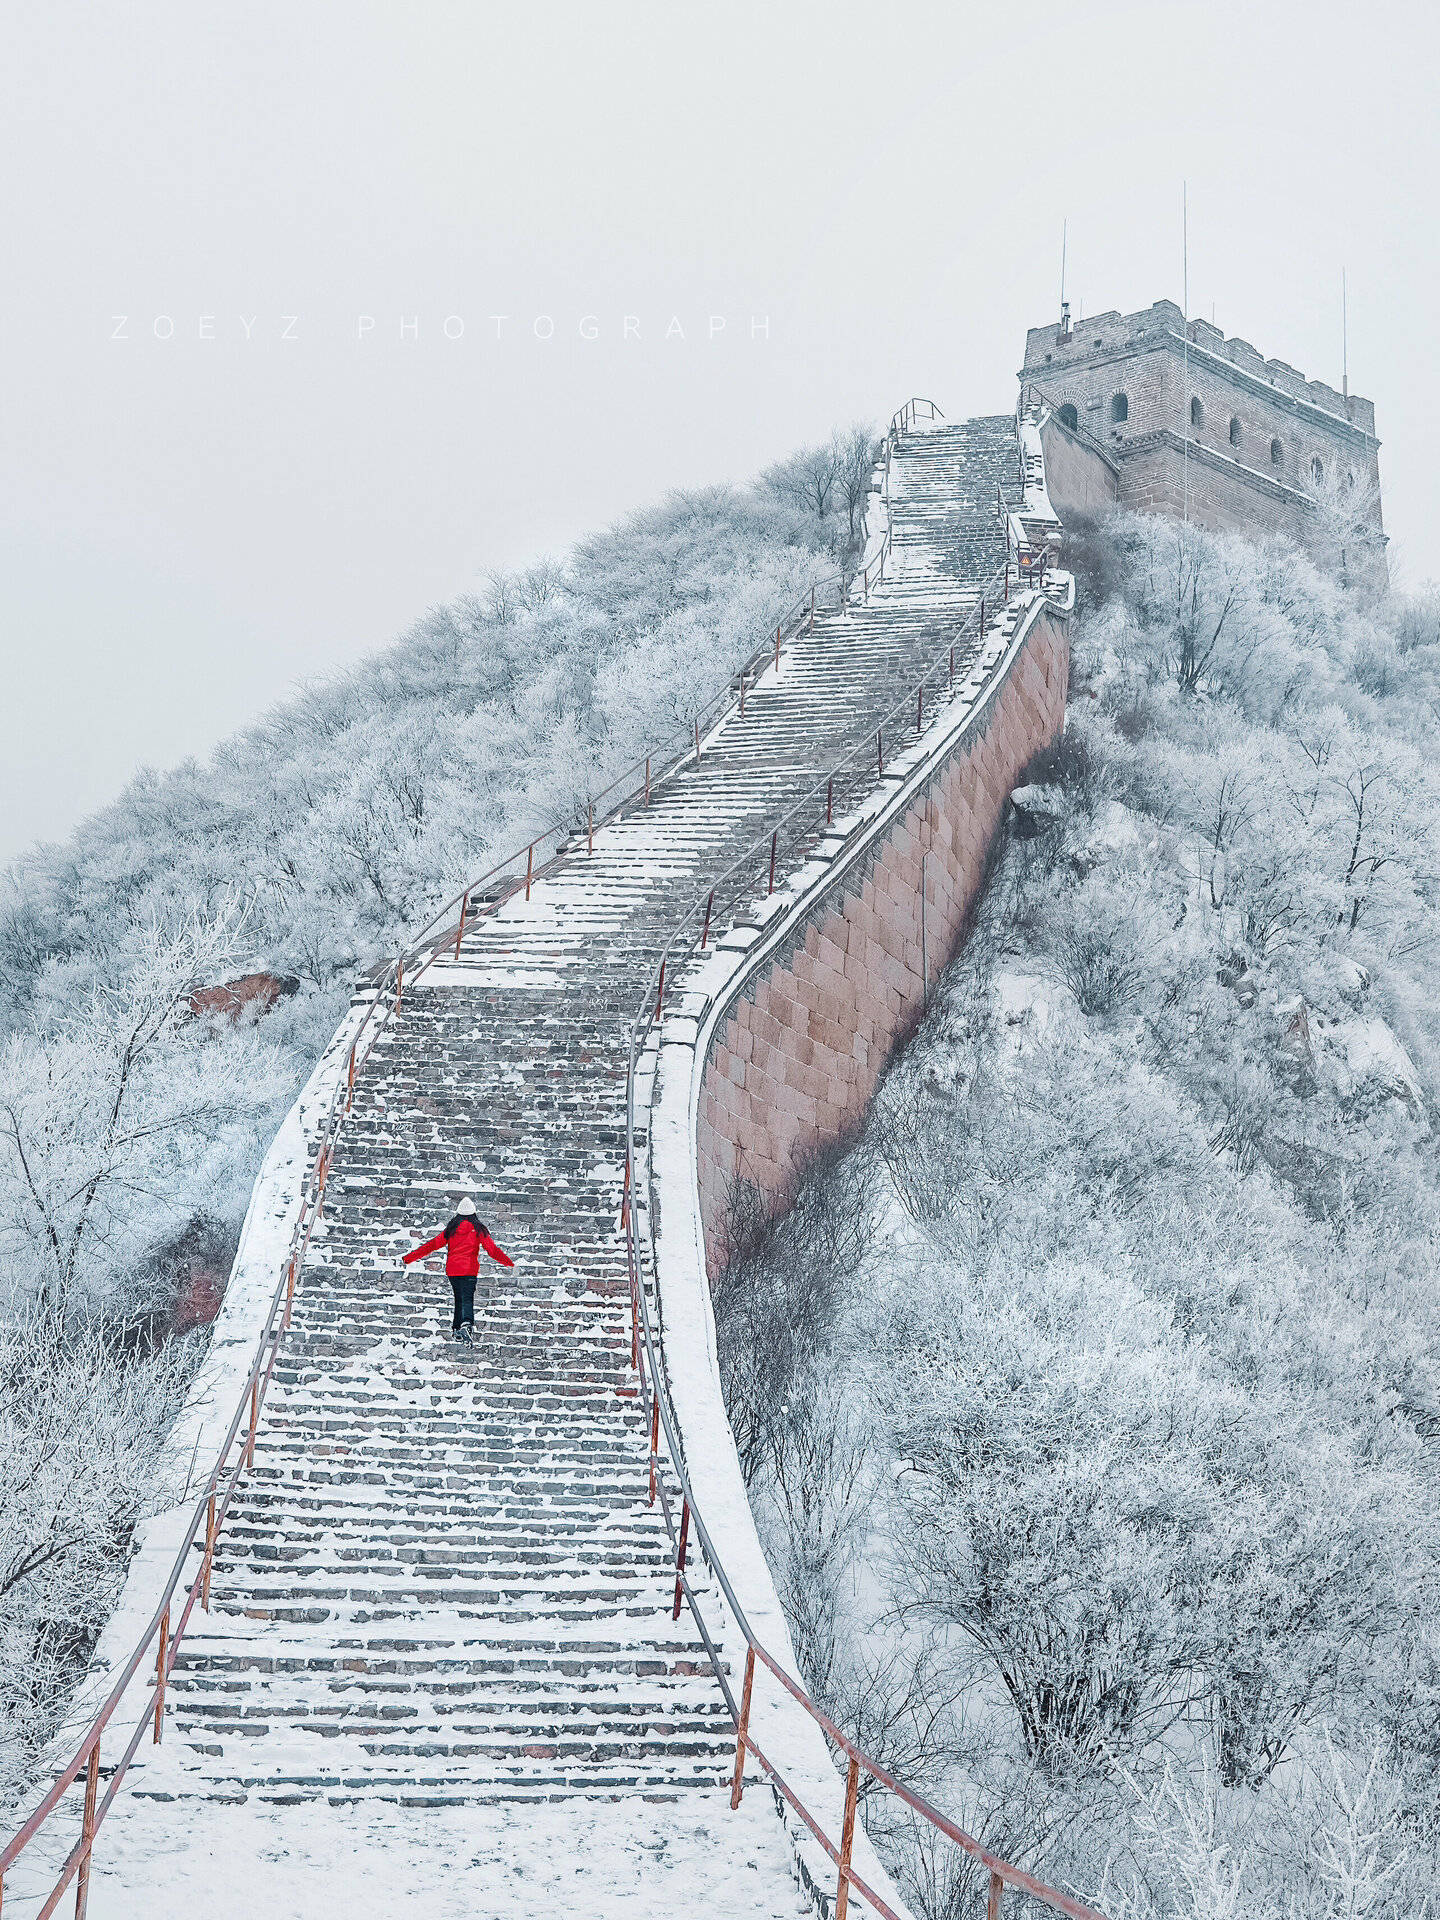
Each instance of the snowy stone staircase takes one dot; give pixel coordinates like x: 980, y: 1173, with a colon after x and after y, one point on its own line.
x: 442, y: 1581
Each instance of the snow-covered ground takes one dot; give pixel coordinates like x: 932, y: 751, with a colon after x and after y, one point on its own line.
x: 576, y: 1860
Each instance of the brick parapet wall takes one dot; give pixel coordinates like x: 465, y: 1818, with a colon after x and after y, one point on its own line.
x: 809, y: 1028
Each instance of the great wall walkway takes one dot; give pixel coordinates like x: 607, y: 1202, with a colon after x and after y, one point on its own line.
x: 442, y: 1586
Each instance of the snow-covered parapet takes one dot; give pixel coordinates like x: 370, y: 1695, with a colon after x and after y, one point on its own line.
x: 1008, y: 703
x: 1032, y: 456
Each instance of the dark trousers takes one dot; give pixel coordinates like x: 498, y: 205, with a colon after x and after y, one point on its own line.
x: 463, y: 1287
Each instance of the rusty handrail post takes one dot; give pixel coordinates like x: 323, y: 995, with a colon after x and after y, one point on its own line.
x: 87, y: 1830
x: 399, y: 985
x: 289, y: 1292
x: 647, y: 779
x: 654, y: 1439
x: 847, y: 1837
x: 680, y: 1558
x: 774, y: 848
x: 529, y: 867
x: 209, y: 1559
x: 742, y: 1730
x: 705, y: 930
x: 350, y: 1079
x: 160, y: 1674
x: 997, y: 1894
x: 460, y: 930
x: 625, y: 1197
x: 660, y: 989
x: 254, y: 1420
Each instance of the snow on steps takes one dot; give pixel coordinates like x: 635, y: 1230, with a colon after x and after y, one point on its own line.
x: 442, y: 1583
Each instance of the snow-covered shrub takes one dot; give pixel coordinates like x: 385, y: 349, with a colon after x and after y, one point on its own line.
x: 81, y: 1424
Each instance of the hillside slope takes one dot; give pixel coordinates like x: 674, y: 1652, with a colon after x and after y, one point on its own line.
x: 1090, y: 1399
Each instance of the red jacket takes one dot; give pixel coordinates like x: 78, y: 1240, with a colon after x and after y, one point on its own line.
x: 462, y: 1239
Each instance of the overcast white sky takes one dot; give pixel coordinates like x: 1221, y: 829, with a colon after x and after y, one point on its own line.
x: 190, y: 525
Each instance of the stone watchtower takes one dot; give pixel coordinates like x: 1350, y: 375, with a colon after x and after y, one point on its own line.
x: 1246, y: 443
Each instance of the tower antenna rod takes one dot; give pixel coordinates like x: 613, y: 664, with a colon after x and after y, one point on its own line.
x: 1064, y: 303
x: 1344, y: 338
x: 1064, y: 245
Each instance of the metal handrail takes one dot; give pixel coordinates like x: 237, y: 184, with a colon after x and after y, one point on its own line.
x: 661, y: 1419
x: 385, y: 1004
x: 905, y: 417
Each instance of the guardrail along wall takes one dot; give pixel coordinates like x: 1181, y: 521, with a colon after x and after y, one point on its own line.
x: 813, y: 1025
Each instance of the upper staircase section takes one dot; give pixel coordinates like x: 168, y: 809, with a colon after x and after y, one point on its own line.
x: 946, y: 495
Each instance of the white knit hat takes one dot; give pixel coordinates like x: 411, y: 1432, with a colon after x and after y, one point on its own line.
x: 467, y: 1205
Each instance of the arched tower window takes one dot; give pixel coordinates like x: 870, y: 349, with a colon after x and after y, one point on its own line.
x: 1068, y: 415
x: 1234, y: 430
x: 1277, y: 454
x: 1120, y: 408
x: 1197, y: 412
x: 1317, y: 469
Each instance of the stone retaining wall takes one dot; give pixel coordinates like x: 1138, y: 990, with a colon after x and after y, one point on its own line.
x: 812, y: 1026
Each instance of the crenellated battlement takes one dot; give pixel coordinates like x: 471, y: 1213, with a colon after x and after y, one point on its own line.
x: 1108, y: 334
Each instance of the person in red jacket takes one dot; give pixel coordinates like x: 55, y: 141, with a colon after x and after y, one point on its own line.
x: 462, y: 1237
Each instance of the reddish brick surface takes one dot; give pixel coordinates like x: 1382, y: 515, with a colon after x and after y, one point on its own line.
x: 795, y: 1067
